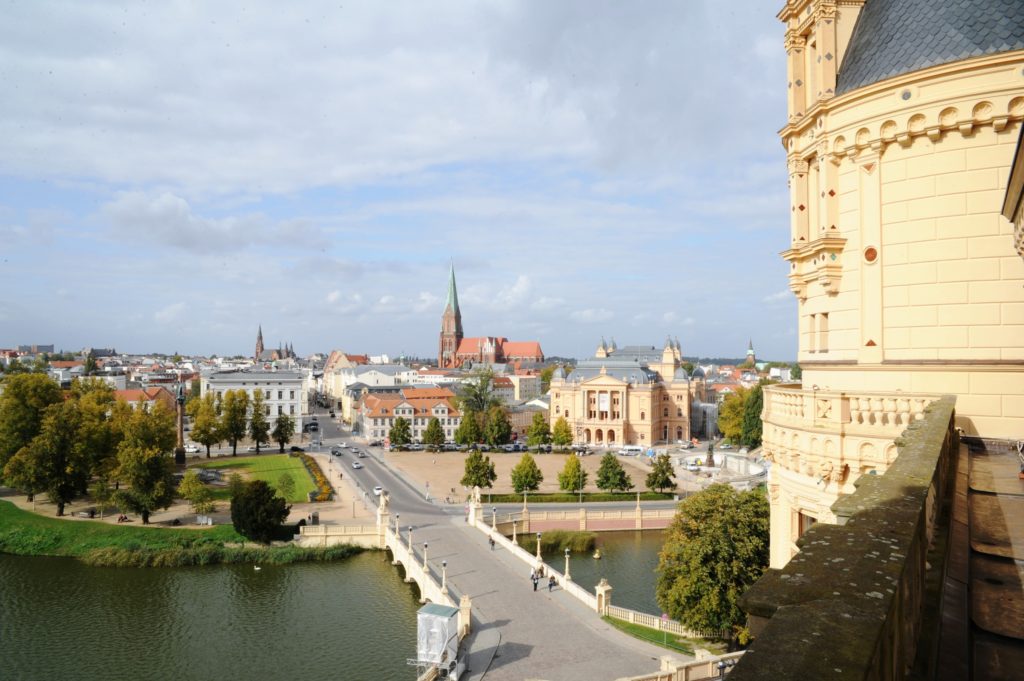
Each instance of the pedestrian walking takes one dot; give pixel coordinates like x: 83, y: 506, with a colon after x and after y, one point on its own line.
x: 491, y: 542
x: 536, y: 581
x: 551, y: 583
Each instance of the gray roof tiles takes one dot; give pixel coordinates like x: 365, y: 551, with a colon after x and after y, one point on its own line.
x: 893, y: 37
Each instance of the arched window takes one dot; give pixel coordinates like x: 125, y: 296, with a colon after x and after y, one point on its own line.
x: 679, y: 412
x: 665, y: 413
x: 642, y: 416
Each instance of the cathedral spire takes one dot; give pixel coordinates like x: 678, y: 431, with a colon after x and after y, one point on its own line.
x: 259, y: 343
x: 453, y: 294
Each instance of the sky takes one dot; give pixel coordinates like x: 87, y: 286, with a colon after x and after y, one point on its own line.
x: 175, y: 174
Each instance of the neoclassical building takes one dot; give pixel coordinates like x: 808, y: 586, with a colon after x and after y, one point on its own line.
x: 903, y: 120
x: 635, y: 395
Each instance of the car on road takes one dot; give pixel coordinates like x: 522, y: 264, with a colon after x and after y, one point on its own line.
x: 314, y: 427
x: 335, y: 451
x: 192, y: 449
x: 378, y: 490
x: 361, y: 454
x: 725, y: 446
x: 251, y: 448
x: 356, y: 465
x: 376, y: 443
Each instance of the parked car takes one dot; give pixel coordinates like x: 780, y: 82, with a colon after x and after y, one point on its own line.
x: 332, y: 414
x: 416, y: 447
x: 356, y: 465
x: 251, y: 448
x: 294, y: 448
x: 192, y: 449
x: 450, y: 447
x: 725, y: 446
x: 378, y: 490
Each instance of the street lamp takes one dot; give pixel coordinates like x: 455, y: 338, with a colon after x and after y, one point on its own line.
x: 410, y: 538
x: 494, y: 517
x: 568, y: 577
x: 424, y: 556
x: 397, y: 518
x: 444, y: 577
x: 538, y: 546
x: 514, y: 532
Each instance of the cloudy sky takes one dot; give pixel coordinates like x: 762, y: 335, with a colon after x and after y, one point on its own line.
x: 173, y: 174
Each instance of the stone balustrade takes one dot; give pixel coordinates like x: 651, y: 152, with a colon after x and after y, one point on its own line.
x: 880, y: 415
x: 859, y: 597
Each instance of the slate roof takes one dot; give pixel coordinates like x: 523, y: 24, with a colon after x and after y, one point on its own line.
x: 893, y: 37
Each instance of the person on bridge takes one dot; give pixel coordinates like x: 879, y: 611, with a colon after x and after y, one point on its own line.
x: 551, y: 583
x: 536, y: 580
x: 490, y: 540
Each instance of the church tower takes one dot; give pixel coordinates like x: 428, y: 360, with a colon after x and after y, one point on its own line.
x: 751, y: 358
x: 451, y: 326
x: 259, y: 343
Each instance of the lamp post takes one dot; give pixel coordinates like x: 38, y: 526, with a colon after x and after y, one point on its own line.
x: 444, y: 577
x: 410, y: 539
x: 538, y: 547
x: 397, y: 518
x: 568, y: 577
x: 514, y: 532
x: 424, y: 556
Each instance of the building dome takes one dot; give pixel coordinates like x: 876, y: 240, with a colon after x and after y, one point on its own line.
x: 698, y: 372
x: 681, y: 375
x: 558, y: 374
x: 893, y: 37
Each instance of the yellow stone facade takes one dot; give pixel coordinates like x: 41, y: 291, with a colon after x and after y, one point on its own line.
x: 905, y: 271
x: 636, y: 395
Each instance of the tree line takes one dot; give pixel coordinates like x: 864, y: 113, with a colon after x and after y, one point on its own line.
x: 234, y: 416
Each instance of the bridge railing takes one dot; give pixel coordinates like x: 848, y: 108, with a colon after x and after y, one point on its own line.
x: 661, y: 624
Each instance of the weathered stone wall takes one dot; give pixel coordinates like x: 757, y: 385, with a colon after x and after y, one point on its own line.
x: 849, y: 606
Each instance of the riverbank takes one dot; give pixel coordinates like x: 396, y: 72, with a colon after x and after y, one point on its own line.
x: 101, y: 544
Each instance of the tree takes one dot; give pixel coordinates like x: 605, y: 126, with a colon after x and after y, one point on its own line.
x: 499, y: 429
x: 796, y: 373
x: 730, y: 414
x: 286, y: 486
x: 434, y: 434
x: 205, y: 425
x: 611, y: 476
x: 545, y: 378
x: 750, y: 432
x: 90, y: 367
x: 717, y: 546
x: 539, y: 433
x: 660, y: 476
x: 98, y: 431
x: 572, y: 478
x: 233, y: 412
x: 150, y: 476
x: 477, y: 392
x: 561, y: 435
x: 197, y: 494
x: 400, y: 433
x: 23, y: 473
x: 61, y: 460
x: 284, y: 430
x: 257, y: 512
x: 235, y: 484
x: 526, y: 476
x: 102, y: 495
x: 468, y: 432
x: 25, y: 397
x: 479, y: 471
x: 259, y: 427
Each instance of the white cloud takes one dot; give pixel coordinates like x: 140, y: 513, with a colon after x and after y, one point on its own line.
x: 545, y: 303
x: 516, y: 293
x: 591, y: 315
x: 170, y: 313
x: 333, y: 296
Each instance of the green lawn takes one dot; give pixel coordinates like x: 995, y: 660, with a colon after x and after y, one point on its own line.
x: 267, y: 468
x: 658, y: 638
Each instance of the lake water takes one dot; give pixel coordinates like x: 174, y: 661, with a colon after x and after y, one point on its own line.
x: 628, y: 561
x: 61, y: 620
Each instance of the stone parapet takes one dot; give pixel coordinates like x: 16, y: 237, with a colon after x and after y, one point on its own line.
x: 850, y: 604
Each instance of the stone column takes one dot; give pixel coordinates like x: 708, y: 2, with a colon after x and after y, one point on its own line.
x: 465, y: 616
x: 604, y: 596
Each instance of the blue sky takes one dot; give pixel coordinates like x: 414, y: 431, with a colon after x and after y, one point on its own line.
x: 174, y: 174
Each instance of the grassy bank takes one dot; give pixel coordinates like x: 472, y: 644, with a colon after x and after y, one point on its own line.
x: 568, y: 497
x: 576, y: 541
x: 95, y: 543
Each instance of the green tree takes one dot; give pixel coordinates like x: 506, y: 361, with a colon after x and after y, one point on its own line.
x: 205, y: 424
x: 797, y: 373
x: 61, y: 458
x: 286, y: 486
x: 259, y: 427
x: 750, y: 432
x: 98, y: 434
x: 235, y: 484
x: 611, y: 476
x: 90, y: 367
x: 477, y: 393
x: 24, y: 400
x: 526, y: 475
x: 24, y: 473
x: 149, y: 474
x: 469, y: 432
x: 539, y: 433
x: 257, y: 512
x: 730, y: 414
x: 572, y: 478
x: 479, y: 471
x: 148, y: 428
x: 660, y: 476
x: 545, y: 378
x: 561, y: 435
x: 717, y: 546
x: 400, y: 433
x: 102, y: 495
x: 197, y: 494
x: 16, y: 367
x: 284, y: 430
x: 233, y: 412
x: 433, y: 436
x: 499, y: 429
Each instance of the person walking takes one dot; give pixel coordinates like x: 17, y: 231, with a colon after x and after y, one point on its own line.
x: 536, y: 580
x: 551, y: 583
x: 491, y: 541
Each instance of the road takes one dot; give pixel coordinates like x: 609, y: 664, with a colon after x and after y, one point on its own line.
x: 543, y: 635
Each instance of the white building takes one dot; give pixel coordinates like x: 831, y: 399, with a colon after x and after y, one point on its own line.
x: 284, y: 392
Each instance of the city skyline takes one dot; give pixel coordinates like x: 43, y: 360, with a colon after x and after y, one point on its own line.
x: 316, y: 173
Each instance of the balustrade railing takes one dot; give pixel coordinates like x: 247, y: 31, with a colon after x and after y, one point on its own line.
x: 876, y: 414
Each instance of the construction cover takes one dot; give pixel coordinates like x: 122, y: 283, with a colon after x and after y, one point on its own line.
x: 437, y: 634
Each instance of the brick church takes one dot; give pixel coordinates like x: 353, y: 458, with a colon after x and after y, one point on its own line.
x: 454, y: 349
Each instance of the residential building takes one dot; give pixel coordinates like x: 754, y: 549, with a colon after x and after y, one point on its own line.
x: 284, y: 392
x: 635, y: 395
x: 377, y: 413
x: 149, y: 397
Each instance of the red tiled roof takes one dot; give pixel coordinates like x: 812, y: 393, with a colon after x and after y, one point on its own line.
x: 427, y: 393
x: 66, y: 364
x: 502, y: 382
x: 522, y: 349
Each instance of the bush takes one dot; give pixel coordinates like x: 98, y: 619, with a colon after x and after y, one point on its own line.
x: 257, y: 512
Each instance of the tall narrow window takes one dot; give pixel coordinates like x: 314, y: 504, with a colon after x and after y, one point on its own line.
x: 823, y: 332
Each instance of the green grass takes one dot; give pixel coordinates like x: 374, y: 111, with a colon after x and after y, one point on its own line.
x: 577, y: 541
x: 269, y: 469
x: 658, y: 638
x: 102, y: 544
x: 568, y: 497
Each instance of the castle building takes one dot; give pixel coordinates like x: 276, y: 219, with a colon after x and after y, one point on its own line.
x: 635, y: 395
x: 455, y: 350
x: 903, y: 120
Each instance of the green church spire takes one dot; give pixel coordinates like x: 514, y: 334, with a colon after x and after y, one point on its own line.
x: 453, y: 295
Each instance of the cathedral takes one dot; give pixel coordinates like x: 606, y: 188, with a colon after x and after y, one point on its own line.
x: 264, y: 355
x: 454, y: 349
